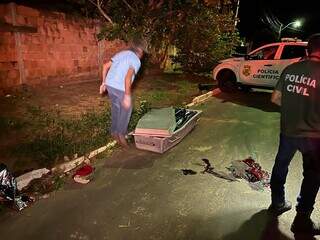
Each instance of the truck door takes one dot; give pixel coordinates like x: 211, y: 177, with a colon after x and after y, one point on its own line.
x: 292, y: 53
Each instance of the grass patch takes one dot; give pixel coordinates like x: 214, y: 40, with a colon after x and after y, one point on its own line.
x: 185, y: 87
x: 158, y: 95
x: 39, y: 137
x: 9, y: 124
x: 163, y: 98
x: 54, y: 136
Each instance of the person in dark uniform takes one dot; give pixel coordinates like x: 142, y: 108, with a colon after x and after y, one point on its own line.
x: 298, y: 95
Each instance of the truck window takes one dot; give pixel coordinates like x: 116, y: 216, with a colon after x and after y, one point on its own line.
x: 291, y: 51
x: 267, y: 53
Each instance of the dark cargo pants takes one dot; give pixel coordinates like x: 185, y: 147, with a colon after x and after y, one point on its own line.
x: 310, y: 150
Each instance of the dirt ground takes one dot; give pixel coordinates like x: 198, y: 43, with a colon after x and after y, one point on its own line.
x: 72, y: 100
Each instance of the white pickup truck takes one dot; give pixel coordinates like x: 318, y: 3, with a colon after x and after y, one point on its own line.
x: 260, y: 68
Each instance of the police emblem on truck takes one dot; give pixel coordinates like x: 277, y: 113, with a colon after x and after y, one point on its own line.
x: 246, y: 70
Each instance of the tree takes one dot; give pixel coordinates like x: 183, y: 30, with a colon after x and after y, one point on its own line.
x: 200, y: 31
x: 205, y: 37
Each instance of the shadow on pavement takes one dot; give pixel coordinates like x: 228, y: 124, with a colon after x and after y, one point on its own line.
x: 131, y: 158
x: 262, y: 226
x: 255, y: 99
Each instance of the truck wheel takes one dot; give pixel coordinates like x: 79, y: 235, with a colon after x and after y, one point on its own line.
x: 227, y: 81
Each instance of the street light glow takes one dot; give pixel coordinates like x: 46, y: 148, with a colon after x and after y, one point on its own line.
x: 295, y: 24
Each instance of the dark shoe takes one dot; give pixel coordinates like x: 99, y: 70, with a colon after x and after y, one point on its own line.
x: 302, y: 224
x: 281, y: 208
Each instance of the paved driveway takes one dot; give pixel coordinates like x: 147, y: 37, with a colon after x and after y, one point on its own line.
x: 141, y: 195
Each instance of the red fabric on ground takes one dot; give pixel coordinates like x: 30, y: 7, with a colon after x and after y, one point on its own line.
x: 84, y: 171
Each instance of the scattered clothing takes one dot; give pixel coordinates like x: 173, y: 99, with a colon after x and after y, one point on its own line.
x: 82, y: 174
x: 9, y: 191
x: 25, y: 179
x: 209, y: 169
x: 8, y: 184
x: 251, y: 171
x: 81, y: 180
x: 247, y: 169
x: 182, y: 116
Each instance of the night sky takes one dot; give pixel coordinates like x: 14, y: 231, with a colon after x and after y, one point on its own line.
x: 261, y: 18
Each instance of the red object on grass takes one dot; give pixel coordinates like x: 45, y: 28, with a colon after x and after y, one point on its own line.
x: 84, y: 171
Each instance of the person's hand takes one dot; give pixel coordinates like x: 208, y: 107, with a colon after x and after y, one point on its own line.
x: 102, y: 89
x: 126, y: 102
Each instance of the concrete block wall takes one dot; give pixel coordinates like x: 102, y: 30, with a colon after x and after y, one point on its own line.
x: 41, y: 47
x: 9, y: 70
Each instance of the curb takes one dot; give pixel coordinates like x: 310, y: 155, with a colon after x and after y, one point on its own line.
x: 204, y: 97
x: 66, y: 167
x: 24, y: 179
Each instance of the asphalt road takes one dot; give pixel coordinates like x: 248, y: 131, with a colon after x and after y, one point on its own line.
x: 141, y: 195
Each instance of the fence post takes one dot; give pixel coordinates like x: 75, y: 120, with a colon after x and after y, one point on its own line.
x: 17, y: 37
x: 100, y: 47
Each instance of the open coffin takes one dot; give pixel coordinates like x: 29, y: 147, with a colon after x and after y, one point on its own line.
x: 161, y: 129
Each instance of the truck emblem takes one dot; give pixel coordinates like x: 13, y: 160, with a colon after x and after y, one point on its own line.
x: 246, y: 70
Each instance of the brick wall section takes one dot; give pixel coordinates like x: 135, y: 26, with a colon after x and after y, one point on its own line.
x: 9, y: 72
x: 62, y: 49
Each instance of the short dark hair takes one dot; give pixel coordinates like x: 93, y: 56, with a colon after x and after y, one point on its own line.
x: 139, y: 43
x: 314, y: 43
